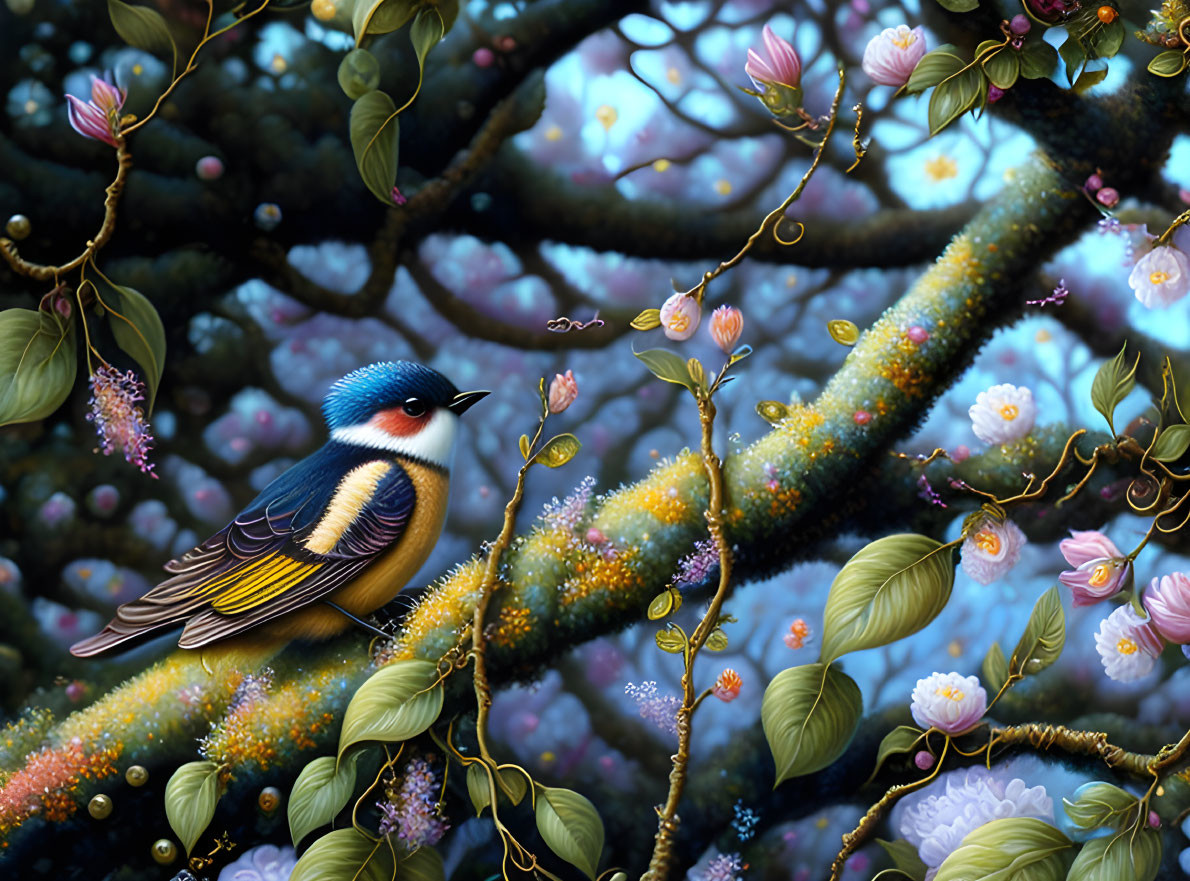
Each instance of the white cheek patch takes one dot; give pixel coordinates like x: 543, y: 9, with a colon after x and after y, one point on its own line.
x: 433, y: 444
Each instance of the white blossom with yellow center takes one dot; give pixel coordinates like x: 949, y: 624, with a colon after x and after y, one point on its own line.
x: 1127, y: 644
x: 1003, y: 414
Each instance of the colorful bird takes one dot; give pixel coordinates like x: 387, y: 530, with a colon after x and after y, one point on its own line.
x: 333, y: 538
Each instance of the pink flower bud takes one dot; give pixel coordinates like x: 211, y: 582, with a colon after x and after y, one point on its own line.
x: 209, y: 168
x: 1168, y: 603
x: 1100, y: 568
x: 1020, y: 25
x: 1093, y: 184
x: 727, y: 323
x: 1108, y: 197
x: 917, y: 334
x: 782, y: 67
x: 680, y: 315
x: 727, y: 686
x: 563, y: 391
x: 891, y: 55
x: 995, y: 93
x: 483, y: 57
x: 924, y: 760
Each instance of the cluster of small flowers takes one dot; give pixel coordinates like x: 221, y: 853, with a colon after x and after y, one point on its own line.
x: 799, y: 634
x: 727, y: 686
x: 927, y: 492
x: 118, y: 418
x: 745, y: 821
x: 413, y: 811
x: 660, y: 709
x: 1057, y: 297
x: 723, y: 868
x: 681, y: 315
x: 696, y: 567
x: 567, y: 513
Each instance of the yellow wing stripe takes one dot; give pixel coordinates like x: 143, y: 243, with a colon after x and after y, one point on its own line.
x: 236, y: 575
x: 266, y: 593
x: 354, y: 492
x: 276, y: 566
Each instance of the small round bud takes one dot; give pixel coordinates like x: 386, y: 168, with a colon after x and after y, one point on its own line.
x: 924, y: 760
x: 995, y: 93
x: 269, y: 799
x: 136, y: 775
x: 100, y: 807
x: 209, y: 168
x: 1107, y: 14
x: 267, y: 216
x: 1154, y: 820
x: 1020, y: 25
x: 1108, y: 197
x: 483, y: 57
x: 164, y: 851
x: 862, y: 417
x: 324, y: 10
x: 1094, y: 183
x: 917, y: 334
x: 18, y: 227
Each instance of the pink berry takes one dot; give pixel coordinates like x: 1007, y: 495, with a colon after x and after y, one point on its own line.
x: 1093, y: 184
x: 862, y: 417
x: 924, y: 760
x: 959, y: 453
x: 1020, y: 25
x: 75, y: 691
x: 595, y: 536
x: 483, y: 57
x: 995, y: 93
x: 918, y: 334
x: 1108, y: 197
x: 1154, y: 820
x: 506, y: 43
x: 209, y: 168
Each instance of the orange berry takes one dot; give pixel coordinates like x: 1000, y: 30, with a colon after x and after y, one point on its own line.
x: 1107, y: 14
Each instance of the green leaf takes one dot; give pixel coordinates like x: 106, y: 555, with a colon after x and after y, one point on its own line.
x: 396, y: 703
x: 809, y: 714
x: 142, y: 28
x: 37, y: 364
x: 954, y: 97
x: 647, y: 320
x: 511, y: 782
x: 1169, y: 63
x: 374, y: 141
x: 319, y: 793
x: 772, y: 412
x: 1125, y: 855
x: 1113, y: 381
x: 843, y: 332
x: 901, y: 739
x: 995, y: 668
x: 1171, y: 443
x: 1105, y: 41
x: 664, y: 603
x: 698, y: 374
x: 558, y: 451
x: 959, y: 5
x: 1044, y: 636
x: 346, y: 855
x: 1002, y: 68
x: 1038, y: 59
x: 1089, y: 78
x: 1074, y: 56
x: 891, y: 588
x: 934, y: 67
x: 668, y: 366
x: 1101, y: 804
x: 380, y: 16
x: 1012, y: 849
x: 359, y: 73
x: 190, y: 797
x: 716, y: 640
x: 905, y: 858
x: 426, y: 32
x: 138, y: 331
x: 523, y: 444
x: 672, y: 641
x: 570, y: 825
x: 424, y: 864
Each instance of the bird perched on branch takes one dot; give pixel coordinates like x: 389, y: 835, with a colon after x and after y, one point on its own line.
x: 333, y: 538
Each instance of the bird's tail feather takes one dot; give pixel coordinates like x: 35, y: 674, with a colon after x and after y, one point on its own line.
x: 115, y: 633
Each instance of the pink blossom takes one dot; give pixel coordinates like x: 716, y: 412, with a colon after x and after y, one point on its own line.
x: 99, y: 118
x: 1100, y: 569
x: 727, y: 323
x: 118, y: 417
x: 781, y: 68
x: 680, y: 315
x: 991, y: 550
x: 892, y: 54
x: 727, y: 686
x: 563, y: 391
x: 1168, y: 603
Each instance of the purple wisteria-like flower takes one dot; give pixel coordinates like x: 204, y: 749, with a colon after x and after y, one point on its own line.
x: 118, y: 417
x: 660, y: 709
x: 412, y: 812
x: 696, y: 567
x: 723, y: 868
x: 567, y: 513
x: 98, y: 118
x: 1057, y: 297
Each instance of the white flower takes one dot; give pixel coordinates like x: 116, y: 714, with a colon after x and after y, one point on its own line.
x: 937, y: 824
x: 1002, y: 414
x: 264, y: 863
x: 680, y: 315
x: 892, y: 54
x: 949, y: 702
x: 1161, y: 277
x: 991, y: 550
x: 1127, y: 644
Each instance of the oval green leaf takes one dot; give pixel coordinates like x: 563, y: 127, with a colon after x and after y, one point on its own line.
x: 995, y: 668
x: 934, y: 67
x: 772, y: 412
x: 512, y: 783
x: 424, y: 864
x: 426, y: 32
x: 809, y: 714
x: 37, y: 364
x: 558, y: 451
x: 672, y: 641
x: 666, y: 365
x: 142, y: 28
x: 1106, y: 40
x: 1125, y: 855
x: 843, y: 332
x: 901, y: 739
x: 905, y: 858
x: 346, y: 855
x: 396, y: 703
x: 359, y: 73
x: 190, y: 797
x: 1038, y: 59
x: 1044, y: 636
x: 959, y: 5
x: 1016, y: 848
x: 478, y: 788
x: 1168, y: 64
x: 893, y: 587
x: 661, y: 605
x: 138, y: 331
x: 955, y: 96
x: 1002, y: 68
x: 1112, y: 384
x: 716, y: 640
x: 380, y: 16
x: 319, y: 793
x: 570, y: 826
x: 374, y: 141
x: 1172, y: 443
x: 1101, y: 804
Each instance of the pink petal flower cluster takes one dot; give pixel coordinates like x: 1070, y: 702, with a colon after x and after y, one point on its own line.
x: 1101, y: 571
x: 660, y: 709
x: 118, y: 417
x: 413, y: 812
x: 563, y: 391
x: 1168, y: 603
x: 891, y: 55
x: 991, y: 550
x: 727, y: 686
x: 952, y: 703
x: 99, y: 118
x: 727, y: 323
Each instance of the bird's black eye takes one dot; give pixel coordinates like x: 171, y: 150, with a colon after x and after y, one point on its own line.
x: 415, y: 407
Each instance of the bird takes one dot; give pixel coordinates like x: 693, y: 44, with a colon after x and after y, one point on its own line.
x: 330, y: 540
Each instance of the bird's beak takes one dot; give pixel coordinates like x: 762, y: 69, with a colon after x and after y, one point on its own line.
x: 463, y: 401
